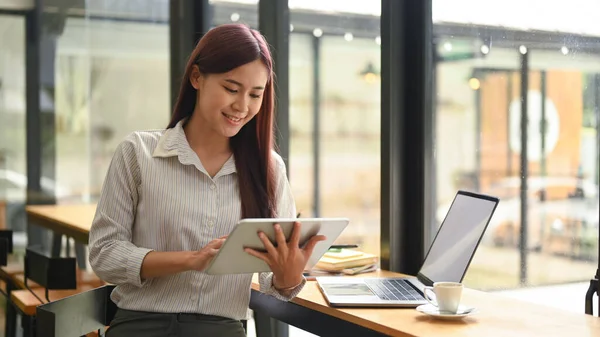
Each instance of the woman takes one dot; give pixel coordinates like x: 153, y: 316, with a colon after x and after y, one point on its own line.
x: 171, y: 196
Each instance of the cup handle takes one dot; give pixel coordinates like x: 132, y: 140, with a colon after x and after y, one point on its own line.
x: 430, y: 300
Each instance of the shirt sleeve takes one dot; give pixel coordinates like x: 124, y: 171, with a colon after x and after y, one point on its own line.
x: 286, y: 208
x: 266, y: 286
x: 113, y: 256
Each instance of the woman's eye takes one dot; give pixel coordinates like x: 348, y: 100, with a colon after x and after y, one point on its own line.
x: 230, y: 90
x: 254, y: 96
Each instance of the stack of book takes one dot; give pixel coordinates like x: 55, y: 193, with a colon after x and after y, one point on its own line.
x: 344, y: 262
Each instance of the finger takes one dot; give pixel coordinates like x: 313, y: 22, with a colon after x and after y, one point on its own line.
x: 211, y: 252
x: 267, y: 243
x: 216, y: 243
x: 260, y: 255
x: 224, y: 236
x: 280, y: 238
x: 310, y: 246
x: 295, y: 238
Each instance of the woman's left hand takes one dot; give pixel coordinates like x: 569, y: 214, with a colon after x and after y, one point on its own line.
x: 288, y: 259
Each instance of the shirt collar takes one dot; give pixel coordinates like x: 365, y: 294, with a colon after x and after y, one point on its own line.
x: 174, y: 143
x: 165, y: 147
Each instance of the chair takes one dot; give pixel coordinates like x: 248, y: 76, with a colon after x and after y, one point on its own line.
x: 56, y: 278
x: 11, y: 274
x: 77, y: 315
x: 594, y: 288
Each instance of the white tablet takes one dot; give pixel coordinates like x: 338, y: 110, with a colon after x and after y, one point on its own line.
x: 232, y: 259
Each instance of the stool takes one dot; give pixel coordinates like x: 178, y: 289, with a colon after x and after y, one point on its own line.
x: 28, y: 301
x: 77, y: 315
x: 44, y: 279
x: 13, y: 278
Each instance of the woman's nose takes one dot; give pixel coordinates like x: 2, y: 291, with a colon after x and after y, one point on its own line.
x: 240, y: 104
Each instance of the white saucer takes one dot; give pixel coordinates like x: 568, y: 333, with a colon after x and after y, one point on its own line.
x: 433, y: 311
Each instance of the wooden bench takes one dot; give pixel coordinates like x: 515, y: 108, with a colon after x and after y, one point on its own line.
x: 13, y: 279
x: 9, y: 276
x: 27, y: 302
x: 13, y: 268
x: 73, y: 312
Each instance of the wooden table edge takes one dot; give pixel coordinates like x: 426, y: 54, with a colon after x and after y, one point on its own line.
x: 56, y: 225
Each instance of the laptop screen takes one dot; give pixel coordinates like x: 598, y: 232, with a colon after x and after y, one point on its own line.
x: 458, y: 237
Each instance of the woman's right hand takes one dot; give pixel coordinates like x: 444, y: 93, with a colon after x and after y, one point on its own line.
x: 201, y: 259
x: 159, y: 264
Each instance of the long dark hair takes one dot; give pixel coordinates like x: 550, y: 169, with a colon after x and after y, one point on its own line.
x: 221, y: 50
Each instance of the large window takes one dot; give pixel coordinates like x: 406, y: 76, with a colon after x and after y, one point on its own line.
x: 111, y: 78
x: 335, y: 118
x: 235, y: 11
x: 13, y: 178
x: 479, y: 72
x: 334, y: 109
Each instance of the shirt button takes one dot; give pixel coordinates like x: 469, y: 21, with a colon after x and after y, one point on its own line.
x: 212, y: 187
x: 211, y: 223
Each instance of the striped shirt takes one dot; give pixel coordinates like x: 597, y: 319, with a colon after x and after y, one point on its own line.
x: 158, y: 196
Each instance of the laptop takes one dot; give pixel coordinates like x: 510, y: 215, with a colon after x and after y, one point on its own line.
x: 448, y: 258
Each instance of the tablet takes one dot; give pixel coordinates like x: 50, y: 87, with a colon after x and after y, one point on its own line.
x: 232, y: 259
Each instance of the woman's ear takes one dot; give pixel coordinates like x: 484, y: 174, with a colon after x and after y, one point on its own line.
x: 196, y: 77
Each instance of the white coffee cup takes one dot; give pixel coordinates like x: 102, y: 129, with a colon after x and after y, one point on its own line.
x: 447, y: 295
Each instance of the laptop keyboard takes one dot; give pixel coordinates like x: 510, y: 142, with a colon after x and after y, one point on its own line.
x: 393, y: 290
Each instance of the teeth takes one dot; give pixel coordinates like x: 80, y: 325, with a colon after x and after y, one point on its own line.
x: 232, y: 118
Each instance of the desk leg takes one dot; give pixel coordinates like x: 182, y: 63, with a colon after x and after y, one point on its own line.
x: 28, y: 323
x: 281, y: 329
x: 80, y: 255
x: 56, y: 244
x: 269, y: 327
x: 10, y: 329
x: 39, y: 237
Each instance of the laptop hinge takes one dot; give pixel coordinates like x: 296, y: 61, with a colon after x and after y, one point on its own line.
x: 424, y: 279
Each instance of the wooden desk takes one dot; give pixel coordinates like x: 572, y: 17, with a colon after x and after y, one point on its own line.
x: 496, y: 316
x: 2, y: 214
x: 74, y: 220
x: 71, y: 220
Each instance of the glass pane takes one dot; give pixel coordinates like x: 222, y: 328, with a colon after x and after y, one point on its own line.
x: 13, y: 179
x: 7, y: 185
x: 371, y: 8
x: 335, y: 117
x: 347, y: 106
x: 479, y: 142
x: 112, y: 78
x: 301, y: 109
x: 235, y: 11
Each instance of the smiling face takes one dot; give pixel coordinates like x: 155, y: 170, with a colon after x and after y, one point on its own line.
x: 226, y: 102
